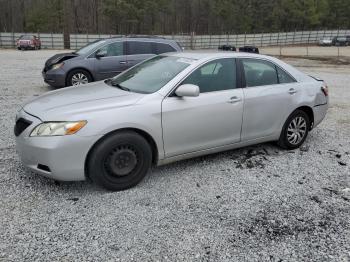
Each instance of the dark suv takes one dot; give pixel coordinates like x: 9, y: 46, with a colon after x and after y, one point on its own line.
x: 103, y: 59
x: 341, y: 41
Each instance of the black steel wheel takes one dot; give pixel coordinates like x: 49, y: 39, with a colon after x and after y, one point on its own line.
x: 120, y: 161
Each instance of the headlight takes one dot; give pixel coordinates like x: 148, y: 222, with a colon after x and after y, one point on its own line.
x: 58, y: 128
x: 57, y: 66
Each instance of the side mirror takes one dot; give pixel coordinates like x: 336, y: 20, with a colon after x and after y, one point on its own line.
x: 100, y: 53
x: 187, y: 90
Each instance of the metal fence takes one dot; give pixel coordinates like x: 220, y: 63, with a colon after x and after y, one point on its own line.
x: 191, y: 41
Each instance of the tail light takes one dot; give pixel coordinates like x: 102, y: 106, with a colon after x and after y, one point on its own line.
x: 324, y: 89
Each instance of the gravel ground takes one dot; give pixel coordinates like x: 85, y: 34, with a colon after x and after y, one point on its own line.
x: 253, y: 204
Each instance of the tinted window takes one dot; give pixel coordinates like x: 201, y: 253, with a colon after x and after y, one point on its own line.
x: 114, y: 49
x: 214, y: 76
x: 135, y: 48
x: 283, y: 77
x: 259, y: 72
x: 163, y: 48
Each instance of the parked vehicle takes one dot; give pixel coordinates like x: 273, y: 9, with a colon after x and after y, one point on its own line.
x: 168, y: 108
x: 249, y: 49
x: 26, y: 42
x: 227, y: 48
x: 340, y: 41
x: 327, y: 41
x: 103, y: 59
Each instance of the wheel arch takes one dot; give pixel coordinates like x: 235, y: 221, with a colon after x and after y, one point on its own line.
x: 140, y: 132
x: 78, y: 68
x: 310, y: 113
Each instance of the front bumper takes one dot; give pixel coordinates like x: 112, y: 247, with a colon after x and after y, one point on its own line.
x: 59, y: 157
x: 55, y: 78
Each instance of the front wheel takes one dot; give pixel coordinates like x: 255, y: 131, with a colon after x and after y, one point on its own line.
x: 119, y: 161
x: 78, y: 77
x: 295, y: 130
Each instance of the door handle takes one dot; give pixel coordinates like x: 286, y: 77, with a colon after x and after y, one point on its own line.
x: 292, y: 91
x: 122, y: 62
x: 234, y: 99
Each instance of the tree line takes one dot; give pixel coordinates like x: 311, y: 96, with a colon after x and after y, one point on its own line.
x: 172, y: 16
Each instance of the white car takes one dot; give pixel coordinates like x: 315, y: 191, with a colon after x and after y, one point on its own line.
x: 168, y: 108
x: 325, y: 41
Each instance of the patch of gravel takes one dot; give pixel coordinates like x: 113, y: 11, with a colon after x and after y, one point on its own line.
x: 259, y: 203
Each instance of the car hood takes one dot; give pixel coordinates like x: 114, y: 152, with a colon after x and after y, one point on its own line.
x: 71, y: 102
x: 59, y: 58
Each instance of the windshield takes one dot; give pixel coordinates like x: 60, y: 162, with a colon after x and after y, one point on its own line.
x: 89, y: 47
x: 151, y: 75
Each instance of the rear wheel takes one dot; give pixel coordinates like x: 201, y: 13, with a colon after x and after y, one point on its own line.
x: 295, y: 130
x: 119, y: 161
x: 78, y: 77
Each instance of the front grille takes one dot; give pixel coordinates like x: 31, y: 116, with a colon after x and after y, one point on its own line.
x: 21, y: 125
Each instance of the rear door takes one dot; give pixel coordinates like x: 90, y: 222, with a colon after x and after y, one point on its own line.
x: 271, y: 94
x: 138, y: 51
x: 112, y: 63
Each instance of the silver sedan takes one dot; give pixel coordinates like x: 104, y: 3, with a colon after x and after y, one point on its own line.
x: 168, y: 108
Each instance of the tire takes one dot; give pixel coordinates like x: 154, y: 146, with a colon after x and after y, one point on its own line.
x: 78, y: 77
x: 289, y: 141
x: 119, y: 161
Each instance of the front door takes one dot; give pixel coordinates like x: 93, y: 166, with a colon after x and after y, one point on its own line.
x: 212, y: 119
x: 112, y: 62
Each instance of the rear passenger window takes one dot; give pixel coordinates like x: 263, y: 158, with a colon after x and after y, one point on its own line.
x: 163, y: 48
x: 283, y: 77
x: 136, y: 47
x: 217, y: 75
x: 259, y: 72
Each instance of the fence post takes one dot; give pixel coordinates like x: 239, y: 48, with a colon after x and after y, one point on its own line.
x: 261, y: 39
x: 0, y: 40
x: 245, y: 37
x: 51, y: 40
x: 13, y: 40
x: 270, y: 39
x: 191, y: 40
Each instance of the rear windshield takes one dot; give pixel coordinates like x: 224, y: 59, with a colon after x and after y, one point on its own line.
x: 151, y: 75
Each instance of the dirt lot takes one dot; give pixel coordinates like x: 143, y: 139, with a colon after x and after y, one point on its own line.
x: 318, y: 51
x: 253, y: 204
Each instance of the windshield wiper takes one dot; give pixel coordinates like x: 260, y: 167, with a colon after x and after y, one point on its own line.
x: 109, y: 81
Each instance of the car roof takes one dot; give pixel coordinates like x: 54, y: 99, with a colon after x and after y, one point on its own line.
x: 140, y: 38
x: 199, y: 55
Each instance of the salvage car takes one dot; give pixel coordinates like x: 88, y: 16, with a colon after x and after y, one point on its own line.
x: 103, y: 59
x: 249, y: 49
x: 326, y: 41
x: 26, y: 42
x: 168, y: 108
x: 340, y: 41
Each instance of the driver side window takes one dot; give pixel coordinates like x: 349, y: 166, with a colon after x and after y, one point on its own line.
x: 113, y: 49
x: 214, y: 76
